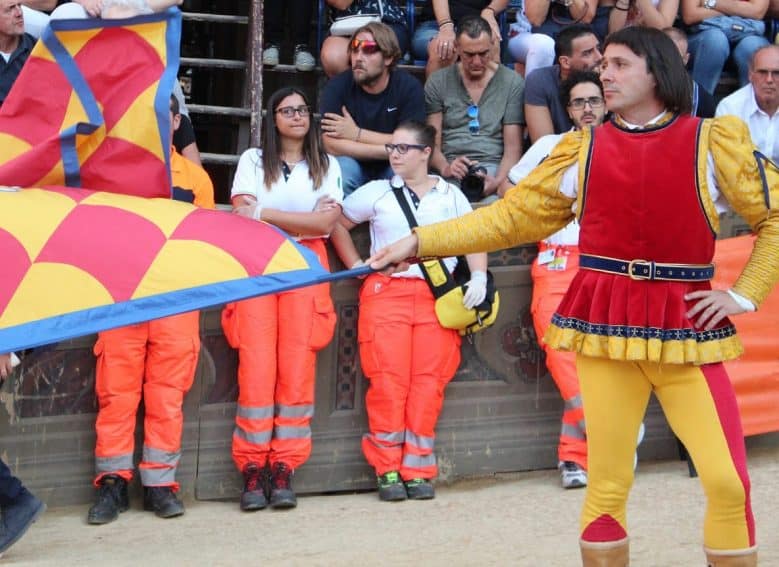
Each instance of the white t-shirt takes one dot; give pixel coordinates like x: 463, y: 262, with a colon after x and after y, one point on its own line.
x: 538, y: 152
x: 375, y: 202
x: 293, y: 195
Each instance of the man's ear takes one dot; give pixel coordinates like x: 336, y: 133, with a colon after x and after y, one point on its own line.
x: 564, y: 61
x: 176, y: 122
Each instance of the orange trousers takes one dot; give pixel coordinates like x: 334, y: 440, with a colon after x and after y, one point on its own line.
x: 156, y: 359
x: 277, y: 337
x: 409, y: 359
x: 549, y: 287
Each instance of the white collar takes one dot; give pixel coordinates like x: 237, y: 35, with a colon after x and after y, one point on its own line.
x: 631, y: 126
x: 751, y: 104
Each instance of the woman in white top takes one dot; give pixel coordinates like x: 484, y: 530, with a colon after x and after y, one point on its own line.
x: 293, y: 184
x: 404, y: 352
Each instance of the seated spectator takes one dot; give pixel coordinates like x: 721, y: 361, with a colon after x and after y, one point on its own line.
x: 576, y: 49
x: 529, y: 50
x: 335, y: 52
x: 703, y: 103
x: 659, y: 14
x: 19, y: 508
x: 363, y: 106
x: 434, y: 36
x: 184, y: 136
x: 757, y: 102
x: 551, y: 18
x: 15, y: 45
x: 722, y: 29
x: 110, y: 9
x: 475, y: 107
x: 36, y: 14
x: 299, y: 13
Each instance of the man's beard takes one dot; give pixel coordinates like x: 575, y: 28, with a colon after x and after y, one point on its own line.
x: 367, y: 79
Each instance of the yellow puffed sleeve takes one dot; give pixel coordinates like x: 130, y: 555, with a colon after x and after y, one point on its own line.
x: 739, y: 179
x: 529, y: 212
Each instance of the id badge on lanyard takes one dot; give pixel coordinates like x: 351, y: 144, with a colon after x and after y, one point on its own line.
x: 555, y: 259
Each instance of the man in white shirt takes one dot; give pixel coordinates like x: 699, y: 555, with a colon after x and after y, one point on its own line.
x: 757, y: 102
x: 552, y: 272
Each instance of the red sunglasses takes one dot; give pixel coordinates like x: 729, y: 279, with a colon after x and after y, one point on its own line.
x: 366, y: 45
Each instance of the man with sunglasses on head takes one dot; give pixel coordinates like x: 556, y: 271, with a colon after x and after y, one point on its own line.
x: 363, y: 106
x: 475, y: 107
x: 757, y: 103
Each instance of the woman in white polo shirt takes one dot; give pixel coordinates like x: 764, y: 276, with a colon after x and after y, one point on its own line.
x: 405, y: 353
x: 293, y: 184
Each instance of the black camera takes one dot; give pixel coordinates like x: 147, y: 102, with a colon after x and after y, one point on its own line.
x: 472, y: 184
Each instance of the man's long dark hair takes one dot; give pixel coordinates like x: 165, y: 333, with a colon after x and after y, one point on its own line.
x: 313, y: 151
x: 662, y: 61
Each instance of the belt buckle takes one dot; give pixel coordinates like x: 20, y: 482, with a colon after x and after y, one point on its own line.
x: 632, y: 264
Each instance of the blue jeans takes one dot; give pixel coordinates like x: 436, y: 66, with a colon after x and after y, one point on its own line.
x: 356, y: 174
x: 710, y: 49
x: 10, y: 486
x: 423, y: 33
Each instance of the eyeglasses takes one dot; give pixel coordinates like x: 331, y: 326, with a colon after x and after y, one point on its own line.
x: 289, y: 111
x: 765, y: 73
x: 367, y: 46
x: 403, y: 148
x: 593, y: 101
x: 473, y: 124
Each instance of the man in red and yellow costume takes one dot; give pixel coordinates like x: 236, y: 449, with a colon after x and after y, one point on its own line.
x: 155, y: 360
x: 640, y: 314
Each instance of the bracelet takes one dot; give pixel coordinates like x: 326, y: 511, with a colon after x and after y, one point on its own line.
x: 357, y: 137
x: 444, y: 23
x: 494, y: 12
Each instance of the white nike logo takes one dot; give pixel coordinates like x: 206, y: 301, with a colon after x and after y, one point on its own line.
x: 392, y: 108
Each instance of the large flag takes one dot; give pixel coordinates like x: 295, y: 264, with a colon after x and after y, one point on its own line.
x: 90, y: 107
x: 90, y: 112
x: 75, y: 262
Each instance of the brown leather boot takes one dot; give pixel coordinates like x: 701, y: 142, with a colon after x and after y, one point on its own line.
x: 732, y: 558
x: 605, y: 554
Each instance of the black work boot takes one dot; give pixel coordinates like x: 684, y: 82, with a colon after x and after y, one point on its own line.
x: 419, y: 489
x: 391, y: 487
x: 281, y: 493
x: 162, y: 501
x: 253, y: 496
x: 111, y: 500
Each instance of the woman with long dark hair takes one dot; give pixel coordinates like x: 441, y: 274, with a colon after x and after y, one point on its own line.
x: 293, y: 184
x: 405, y: 353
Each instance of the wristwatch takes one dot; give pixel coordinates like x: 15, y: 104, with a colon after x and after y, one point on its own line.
x: 566, y: 3
x: 710, y: 4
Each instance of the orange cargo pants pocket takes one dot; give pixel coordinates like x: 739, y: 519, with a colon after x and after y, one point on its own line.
x: 323, y: 322
x: 230, y: 325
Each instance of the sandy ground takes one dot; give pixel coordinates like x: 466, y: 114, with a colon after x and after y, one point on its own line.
x: 509, y: 519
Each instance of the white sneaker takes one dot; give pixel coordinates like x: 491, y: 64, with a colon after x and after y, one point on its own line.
x: 304, y: 61
x: 572, y: 475
x: 641, y: 431
x: 270, y: 55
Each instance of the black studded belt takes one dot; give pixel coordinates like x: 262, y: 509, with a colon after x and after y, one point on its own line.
x: 648, y: 270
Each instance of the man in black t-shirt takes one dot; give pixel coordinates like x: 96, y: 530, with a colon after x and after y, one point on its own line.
x: 362, y: 107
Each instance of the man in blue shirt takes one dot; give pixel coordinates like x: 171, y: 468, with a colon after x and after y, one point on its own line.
x: 363, y: 106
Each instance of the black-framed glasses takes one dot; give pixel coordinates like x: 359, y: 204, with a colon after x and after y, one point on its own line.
x: 593, y: 101
x: 289, y: 111
x: 403, y: 148
x: 473, y: 123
